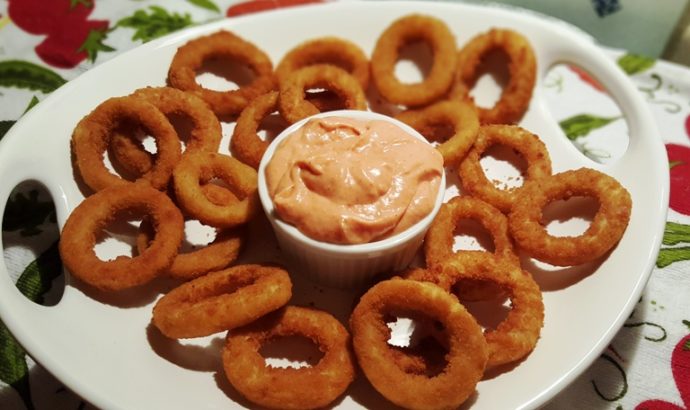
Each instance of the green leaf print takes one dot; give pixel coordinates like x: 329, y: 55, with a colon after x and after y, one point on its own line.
x: 159, y: 23
x: 34, y: 282
x: 635, y: 63
x: 206, y: 4
x: 676, y: 233
x: 94, y: 43
x: 26, y: 213
x: 582, y: 124
x: 668, y: 256
x: 23, y: 74
x: 86, y: 3
x: 13, y: 368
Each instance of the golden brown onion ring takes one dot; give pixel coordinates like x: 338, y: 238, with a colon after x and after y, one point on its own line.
x: 96, y: 212
x: 92, y: 136
x: 604, y: 232
x: 401, y: 32
x: 532, y: 149
x: 292, y: 103
x: 460, y: 115
x: 522, y: 67
x: 467, y: 350
x: 221, y: 301
x: 290, y: 388
x: 327, y: 50
x: 189, y: 59
x: 197, y: 169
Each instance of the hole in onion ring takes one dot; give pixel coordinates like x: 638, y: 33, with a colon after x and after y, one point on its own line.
x: 418, y: 345
x: 471, y: 235
x: 223, y: 74
x: 270, y: 126
x: 414, y: 62
x: 597, y: 128
x: 571, y: 217
x: 118, y: 238
x: 492, y: 77
x: 196, y: 236
x: 183, y: 125
x: 503, y: 166
x: 488, y: 313
x: 30, y: 250
x: 291, y: 352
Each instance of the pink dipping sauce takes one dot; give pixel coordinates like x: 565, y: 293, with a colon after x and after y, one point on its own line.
x: 348, y: 181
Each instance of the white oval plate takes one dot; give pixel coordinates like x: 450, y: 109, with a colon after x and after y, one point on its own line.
x: 103, y: 347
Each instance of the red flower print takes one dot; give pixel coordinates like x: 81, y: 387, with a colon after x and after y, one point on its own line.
x: 587, y: 78
x: 679, y: 168
x: 65, y: 24
x: 680, y: 366
x: 253, y: 6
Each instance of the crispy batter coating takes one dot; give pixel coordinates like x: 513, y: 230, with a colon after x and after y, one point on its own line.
x: 222, y: 300
x: 522, y: 66
x: 406, y: 30
x: 532, y: 149
x: 95, y: 213
x: 290, y: 388
x: 467, y: 349
x: 197, y: 169
x: 245, y: 143
x: 292, y: 103
x: 92, y: 136
x: 189, y: 59
x: 460, y: 115
x: 604, y: 232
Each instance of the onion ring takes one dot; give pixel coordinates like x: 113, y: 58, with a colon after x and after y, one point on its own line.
x: 522, y: 66
x: 79, y: 234
x: 221, y: 301
x: 327, y: 50
x: 245, y: 143
x: 290, y: 388
x: 292, y: 103
x: 467, y: 348
x: 604, y: 232
x: 474, y: 180
x: 189, y: 265
x: 438, y: 243
x: 462, y: 116
x: 190, y: 57
x: 403, y: 31
x: 205, y: 134
x: 198, y: 168
x: 92, y: 136
x: 517, y: 335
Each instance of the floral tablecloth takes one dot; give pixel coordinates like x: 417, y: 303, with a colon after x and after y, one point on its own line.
x: 46, y: 43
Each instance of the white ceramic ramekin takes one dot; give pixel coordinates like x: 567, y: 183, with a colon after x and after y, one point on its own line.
x: 336, y: 265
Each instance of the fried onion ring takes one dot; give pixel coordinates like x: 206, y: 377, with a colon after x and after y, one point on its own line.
x: 189, y: 265
x: 92, y: 136
x: 406, y: 30
x: 292, y: 103
x: 522, y: 66
x: 604, y: 232
x: 438, y: 243
x: 221, y: 301
x: 198, y: 168
x: 327, y: 50
x: 79, y: 236
x: 245, y: 143
x: 532, y: 149
x: 284, y: 388
x: 467, y: 350
x: 190, y: 57
x: 517, y: 335
x: 460, y: 115
x: 205, y: 134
